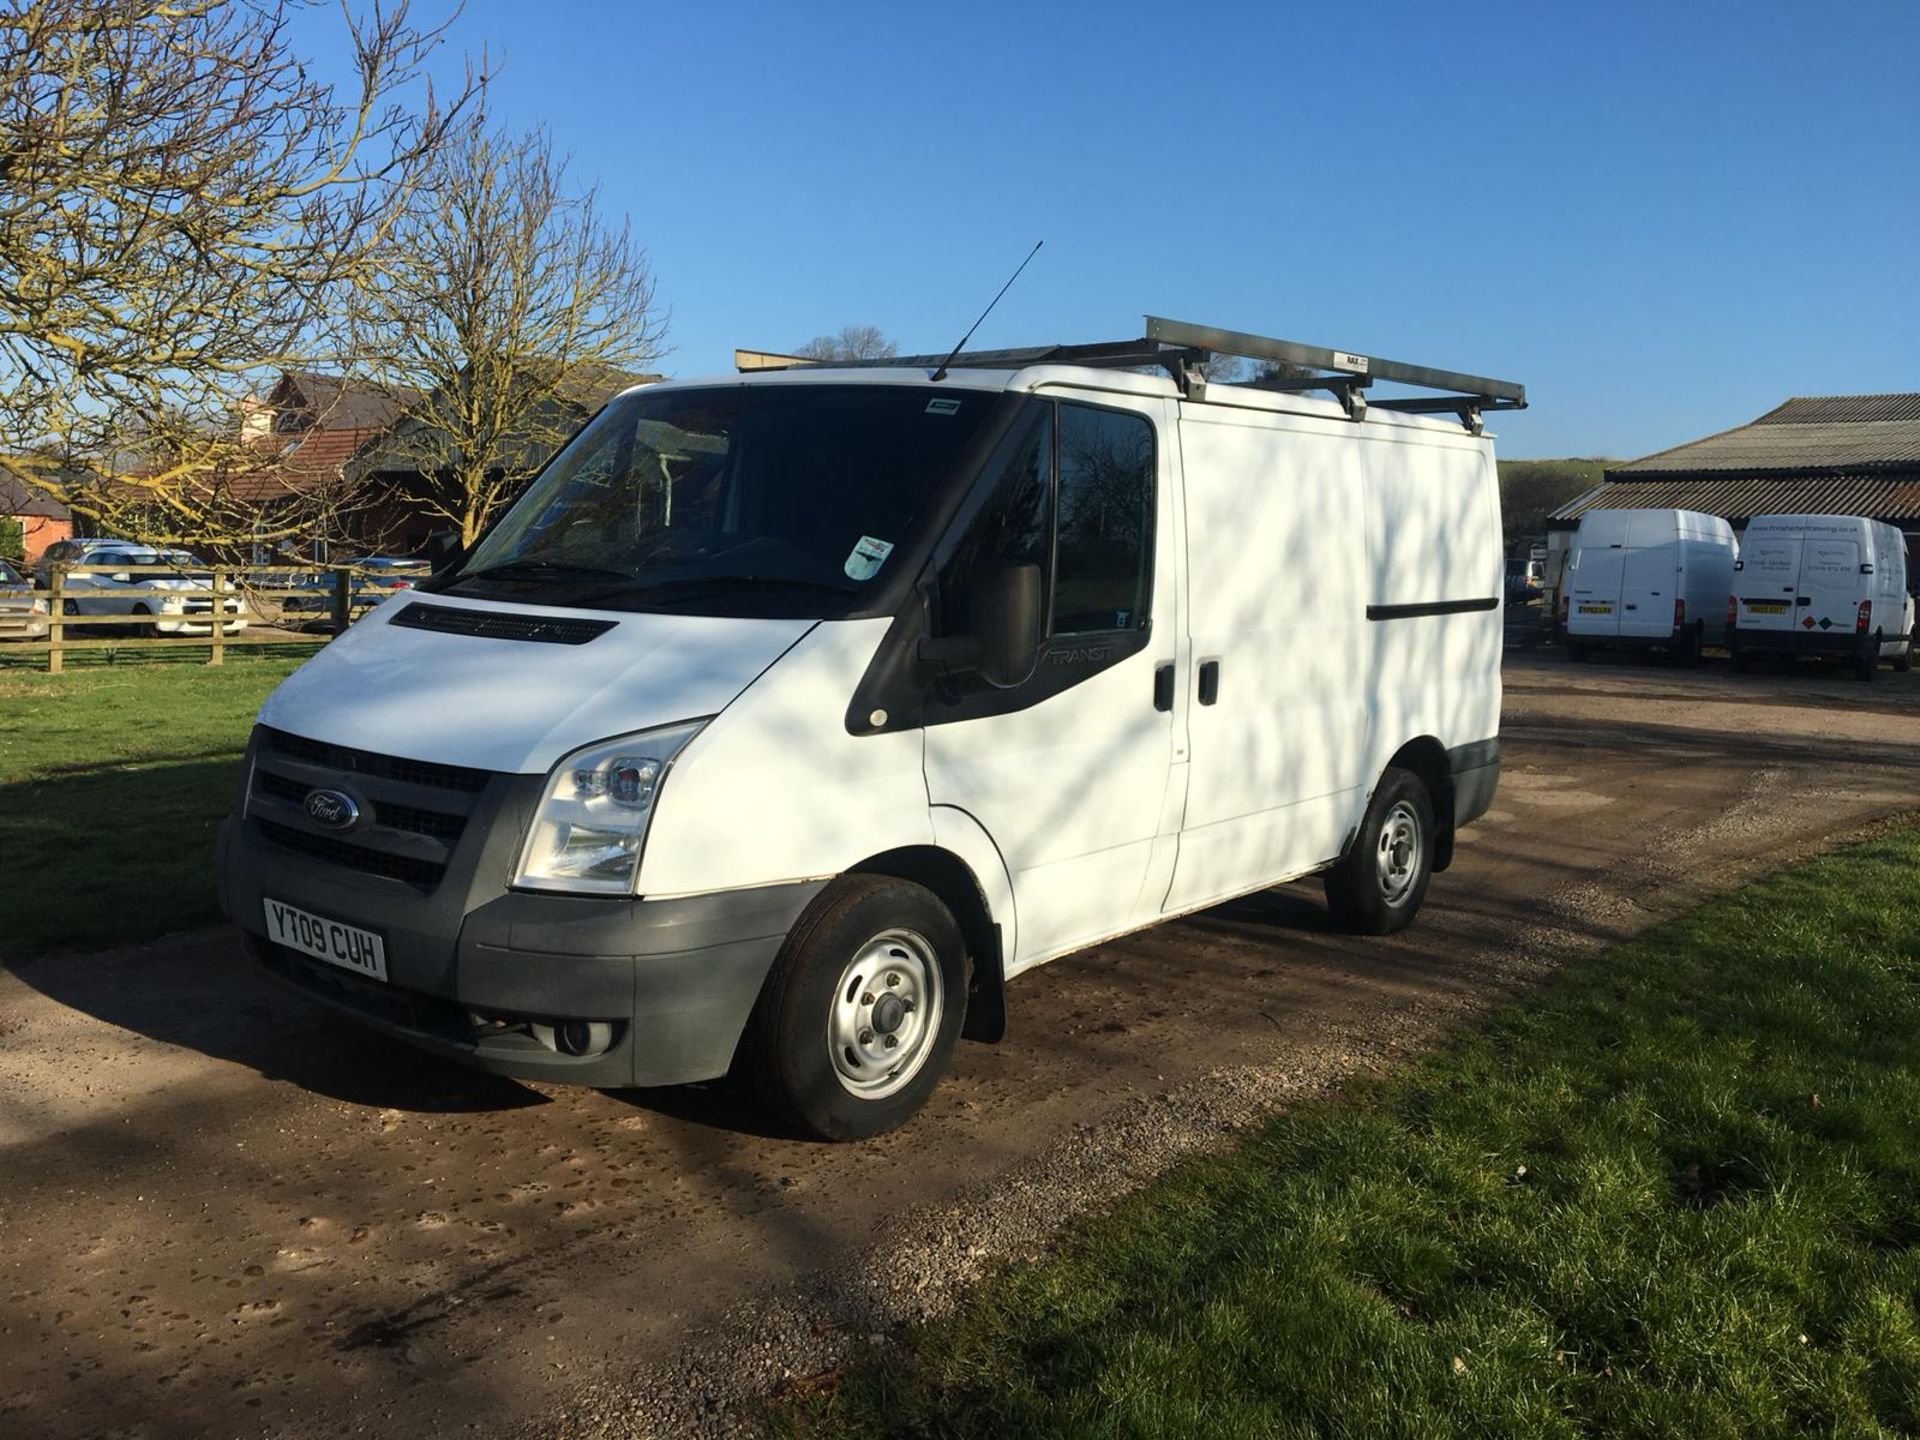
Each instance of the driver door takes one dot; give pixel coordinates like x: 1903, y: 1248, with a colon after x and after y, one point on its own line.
x: 1072, y: 768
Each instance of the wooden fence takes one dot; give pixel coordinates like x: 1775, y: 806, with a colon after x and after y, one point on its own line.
x: 242, y: 606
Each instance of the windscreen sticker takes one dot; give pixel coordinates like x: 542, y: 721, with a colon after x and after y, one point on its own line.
x: 868, y: 556
x: 943, y: 407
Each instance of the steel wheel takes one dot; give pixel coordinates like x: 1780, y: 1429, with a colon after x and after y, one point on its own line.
x: 1397, y: 854
x: 886, y: 1011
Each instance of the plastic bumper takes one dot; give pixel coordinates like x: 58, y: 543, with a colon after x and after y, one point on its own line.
x: 486, y: 976
x: 1476, y: 775
x: 1844, y: 644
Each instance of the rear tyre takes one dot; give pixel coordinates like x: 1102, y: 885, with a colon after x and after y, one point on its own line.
x: 1867, y: 664
x: 1742, y: 662
x: 1578, y: 653
x: 1377, y: 886
x: 1903, y: 662
x: 858, y: 1018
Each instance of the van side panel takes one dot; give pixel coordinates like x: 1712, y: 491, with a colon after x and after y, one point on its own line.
x: 1433, y: 540
x: 1276, y: 596
x: 736, y: 809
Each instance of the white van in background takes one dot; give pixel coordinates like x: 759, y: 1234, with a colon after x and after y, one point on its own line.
x: 1833, y: 586
x: 784, y: 717
x: 1647, y: 579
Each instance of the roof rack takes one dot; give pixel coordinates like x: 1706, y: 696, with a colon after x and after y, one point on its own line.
x: 1182, y: 349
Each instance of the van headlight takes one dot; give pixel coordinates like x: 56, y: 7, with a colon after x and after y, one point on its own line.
x: 593, y: 815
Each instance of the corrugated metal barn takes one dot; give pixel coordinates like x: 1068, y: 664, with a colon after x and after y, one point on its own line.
x: 1825, y: 454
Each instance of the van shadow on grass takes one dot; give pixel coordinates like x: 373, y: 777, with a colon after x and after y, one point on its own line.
x: 115, y: 857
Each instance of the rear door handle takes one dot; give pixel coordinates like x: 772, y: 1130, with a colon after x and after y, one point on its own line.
x: 1163, y: 686
x: 1804, y: 600
x: 1209, y: 681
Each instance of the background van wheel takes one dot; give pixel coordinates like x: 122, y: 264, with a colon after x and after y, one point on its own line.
x: 858, y: 1018
x: 1903, y: 662
x: 1577, y: 652
x: 1377, y: 887
x: 1867, y: 664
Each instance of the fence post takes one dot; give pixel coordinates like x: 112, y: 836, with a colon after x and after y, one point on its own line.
x: 56, y: 613
x: 342, y: 606
x: 219, y: 617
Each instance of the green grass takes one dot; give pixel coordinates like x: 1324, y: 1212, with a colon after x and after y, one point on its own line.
x: 113, y: 782
x: 1617, y: 1209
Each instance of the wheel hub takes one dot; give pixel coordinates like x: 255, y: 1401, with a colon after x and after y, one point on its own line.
x: 885, y: 1015
x: 888, y: 1012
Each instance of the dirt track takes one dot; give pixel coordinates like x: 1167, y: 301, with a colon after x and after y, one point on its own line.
x: 221, y: 1212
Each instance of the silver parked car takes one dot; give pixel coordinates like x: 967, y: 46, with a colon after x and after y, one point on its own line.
x: 23, y: 616
x: 178, y: 603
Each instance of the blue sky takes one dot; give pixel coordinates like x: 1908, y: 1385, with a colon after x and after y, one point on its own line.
x: 1662, y: 218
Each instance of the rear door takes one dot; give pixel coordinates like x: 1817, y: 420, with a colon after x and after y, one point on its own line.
x: 1593, y: 590
x: 1648, y: 581
x: 1768, y: 583
x: 1831, y: 585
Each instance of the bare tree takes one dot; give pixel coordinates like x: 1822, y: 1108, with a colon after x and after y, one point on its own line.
x: 181, y: 204
x: 854, y: 342
x: 507, y: 309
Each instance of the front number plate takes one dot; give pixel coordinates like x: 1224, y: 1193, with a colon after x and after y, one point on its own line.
x: 347, y: 946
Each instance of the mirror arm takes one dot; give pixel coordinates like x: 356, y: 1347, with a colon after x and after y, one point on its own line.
x: 951, y: 655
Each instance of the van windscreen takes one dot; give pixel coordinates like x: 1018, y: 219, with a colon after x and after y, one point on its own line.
x: 783, y: 500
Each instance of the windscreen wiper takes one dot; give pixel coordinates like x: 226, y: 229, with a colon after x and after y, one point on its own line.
x: 534, y: 569
x: 707, y: 587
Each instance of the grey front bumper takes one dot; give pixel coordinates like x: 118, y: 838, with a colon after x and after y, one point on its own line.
x: 475, y: 970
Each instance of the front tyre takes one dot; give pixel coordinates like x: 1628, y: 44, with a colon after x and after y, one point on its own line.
x: 858, y: 1018
x: 1377, y: 886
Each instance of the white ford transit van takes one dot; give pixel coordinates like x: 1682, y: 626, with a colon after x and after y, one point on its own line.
x: 1647, y: 579
x: 784, y: 718
x: 1822, y: 585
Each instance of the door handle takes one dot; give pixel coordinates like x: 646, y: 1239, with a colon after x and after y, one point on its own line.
x: 1163, y: 686
x: 1804, y: 600
x: 1209, y: 681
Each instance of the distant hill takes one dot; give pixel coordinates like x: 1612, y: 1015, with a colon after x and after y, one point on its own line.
x: 1530, y: 490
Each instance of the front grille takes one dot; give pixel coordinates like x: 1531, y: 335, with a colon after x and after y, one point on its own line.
x: 389, y: 813
x: 425, y: 874
x: 495, y: 625
x: 383, y: 767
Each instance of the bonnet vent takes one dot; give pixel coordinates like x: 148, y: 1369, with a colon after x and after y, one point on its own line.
x: 496, y: 625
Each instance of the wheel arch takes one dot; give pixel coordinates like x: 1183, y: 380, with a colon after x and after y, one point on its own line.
x: 953, y: 880
x: 1426, y: 758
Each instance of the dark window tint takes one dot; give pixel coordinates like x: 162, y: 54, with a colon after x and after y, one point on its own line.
x: 1105, y: 510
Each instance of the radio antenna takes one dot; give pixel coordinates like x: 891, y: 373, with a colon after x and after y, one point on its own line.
x: 941, y: 373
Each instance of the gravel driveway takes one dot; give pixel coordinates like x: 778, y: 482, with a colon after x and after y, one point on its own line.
x: 221, y: 1212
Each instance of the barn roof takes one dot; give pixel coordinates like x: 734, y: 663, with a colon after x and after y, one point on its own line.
x: 1891, y: 497
x: 1833, y: 435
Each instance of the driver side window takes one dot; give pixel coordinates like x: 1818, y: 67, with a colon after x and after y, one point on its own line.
x: 1075, y: 498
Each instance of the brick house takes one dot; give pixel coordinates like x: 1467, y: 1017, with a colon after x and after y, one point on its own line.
x: 43, y: 520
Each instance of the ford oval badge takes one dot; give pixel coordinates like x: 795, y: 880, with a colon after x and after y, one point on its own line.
x: 333, y: 809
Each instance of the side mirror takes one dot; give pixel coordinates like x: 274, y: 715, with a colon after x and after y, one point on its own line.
x: 443, y: 551
x: 1001, y: 644
x: 1006, y: 608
